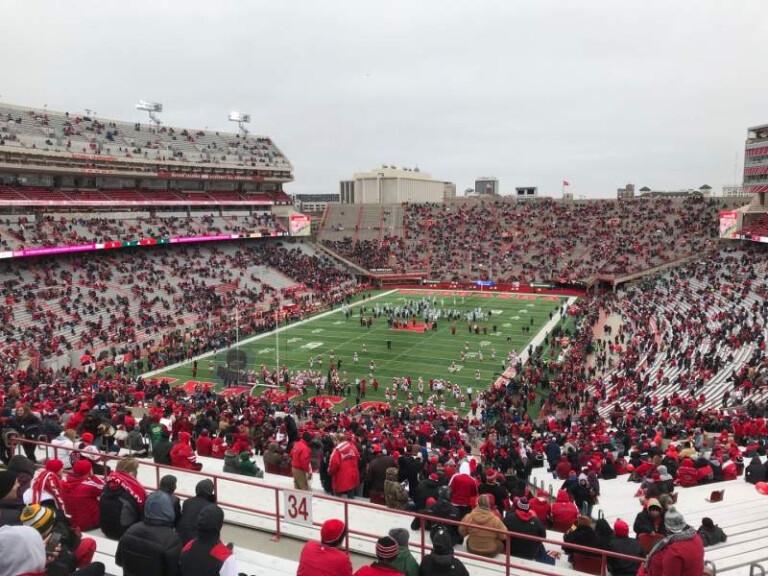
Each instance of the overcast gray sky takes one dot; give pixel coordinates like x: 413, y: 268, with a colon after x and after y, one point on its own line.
x: 600, y: 93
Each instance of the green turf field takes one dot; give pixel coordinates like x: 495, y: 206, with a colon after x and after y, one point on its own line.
x: 413, y: 354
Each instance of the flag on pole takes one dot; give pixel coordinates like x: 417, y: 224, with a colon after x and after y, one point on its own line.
x: 566, y: 183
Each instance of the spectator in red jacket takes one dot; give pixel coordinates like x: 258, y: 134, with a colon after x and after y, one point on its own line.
x: 301, y: 465
x: 324, y: 558
x: 463, y: 489
x: 242, y: 444
x: 730, y: 470
x: 81, y: 491
x: 541, y: 506
x: 564, y: 512
x: 679, y: 554
x: 182, y: 455
x: 687, y: 474
x: 204, y: 444
x: 563, y: 467
x: 343, y: 469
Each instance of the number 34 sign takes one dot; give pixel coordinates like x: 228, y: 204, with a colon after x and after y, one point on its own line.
x: 297, y: 507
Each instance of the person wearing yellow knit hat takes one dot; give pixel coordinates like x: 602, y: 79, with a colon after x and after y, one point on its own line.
x: 41, y: 518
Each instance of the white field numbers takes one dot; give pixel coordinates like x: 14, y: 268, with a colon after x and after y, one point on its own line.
x: 297, y: 507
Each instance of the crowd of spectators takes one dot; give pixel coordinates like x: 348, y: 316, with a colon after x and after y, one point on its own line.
x: 45, y: 229
x: 508, y: 241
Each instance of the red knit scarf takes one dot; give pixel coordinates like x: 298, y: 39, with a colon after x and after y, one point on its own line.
x: 130, y: 485
x: 51, y: 483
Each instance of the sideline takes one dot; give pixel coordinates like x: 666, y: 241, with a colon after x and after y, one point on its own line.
x: 250, y: 339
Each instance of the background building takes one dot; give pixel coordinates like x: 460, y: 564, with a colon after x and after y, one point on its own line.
x: 756, y: 164
x: 526, y: 192
x: 734, y: 191
x: 449, y: 191
x: 487, y: 185
x: 313, y: 203
x: 626, y: 193
x: 391, y: 185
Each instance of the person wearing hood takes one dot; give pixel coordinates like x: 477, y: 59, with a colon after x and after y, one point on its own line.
x: 231, y: 462
x: 122, y: 501
x: 193, y: 507
x: 563, y: 467
x: 582, y: 534
x: 609, y: 470
x: 584, y: 495
x: 681, y: 553
x: 480, y: 540
x: 404, y: 562
x: 182, y: 454
x: 80, y: 492
x: 161, y: 448
x: 248, y: 467
x: 151, y: 547
x: 441, y: 561
x: 687, y: 474
x: 463, y: 489
x: 564, y: 511
x: 427, y: 488
x: 755, y: 471
x: 623, y: 544
x: 204, y: 444
x: 395, y: 494
x: 22, y: 551
x: 325, y: 558
x: 207, y: 555
x: 521, y: 520
x: 710, y: 533
x: 492, y: 487
x: 541, y: 506
x: 650, y: 520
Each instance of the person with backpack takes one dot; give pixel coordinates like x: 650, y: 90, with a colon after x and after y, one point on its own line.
x: 122, y: 502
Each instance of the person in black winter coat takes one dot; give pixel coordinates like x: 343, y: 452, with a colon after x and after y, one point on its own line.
x: 583, y: 535
x: 443, y: 508
x: 204, y: 497
x: 491, y: 486
x: 121, y: 501
x: 428, y: 488
x: 623, y: 544
x: 409, y: 468
x: 161, y: 450
x: 609, y: 471
x: 441, y: 561
x: 755, y: 472
x: 325, y: 461
x: 710, y: 533
x: 151, y: 547
x: 207, y: 555
x: 522, y: 521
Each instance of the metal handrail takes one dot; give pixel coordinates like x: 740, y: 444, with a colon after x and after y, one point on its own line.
x: 506, y: 563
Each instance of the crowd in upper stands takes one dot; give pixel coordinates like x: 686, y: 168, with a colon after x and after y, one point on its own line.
x: 508, y: 241
x: 86, y: 228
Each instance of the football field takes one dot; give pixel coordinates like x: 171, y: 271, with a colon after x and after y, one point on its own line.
x: 504, y: 321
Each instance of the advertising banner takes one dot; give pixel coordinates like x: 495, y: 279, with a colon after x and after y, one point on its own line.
x: 729, y: 223
x: 301, y: 224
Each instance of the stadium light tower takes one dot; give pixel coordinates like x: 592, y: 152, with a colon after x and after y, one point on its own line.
x: 152, y: 108
x: 241, y: 119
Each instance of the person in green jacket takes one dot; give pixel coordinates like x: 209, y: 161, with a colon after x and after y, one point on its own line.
x: 248, y: 467
x: 405, y: 562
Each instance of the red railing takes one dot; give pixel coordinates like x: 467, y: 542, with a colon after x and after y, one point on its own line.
x: 508, y: 561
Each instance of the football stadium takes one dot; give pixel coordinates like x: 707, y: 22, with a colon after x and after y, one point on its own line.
x: 224, y: 355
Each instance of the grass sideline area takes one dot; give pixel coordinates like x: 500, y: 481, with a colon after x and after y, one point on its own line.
x: 427, y: 354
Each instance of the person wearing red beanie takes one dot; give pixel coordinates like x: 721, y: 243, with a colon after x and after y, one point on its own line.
x: 324, y: 558
x: 81, y: 491
x: 623, y: 544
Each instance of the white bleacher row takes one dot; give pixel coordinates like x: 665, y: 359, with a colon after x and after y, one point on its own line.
x: 31, y: 128
x: 665, y: 301
x: 155, y: 271
x: 743, y: 515
x: 377, y: 521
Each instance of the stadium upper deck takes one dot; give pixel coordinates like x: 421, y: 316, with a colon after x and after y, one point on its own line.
x: 59, y: 158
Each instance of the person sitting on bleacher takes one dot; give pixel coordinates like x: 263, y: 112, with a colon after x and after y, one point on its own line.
x: 729, y: 469
x: 441, y: 561
x: 161, y: 449
x: 681, y: 553
x: 521, y: 520
x: 542, y: 507
x: 608, y: 470
x: 231, y: 462
x: 623, y: 544
x: 207, y: 555
x: 249, y: 467
x: 324, y: 558
x: 687, y: 475
x: 564, y: 511
x: 480, y: 540
x: 204, y: 443
x: 151, y: 547
x: 204, y: 496
x: 122, y: 501
x: 81, y: 491
x: 182, y: 455
x: 582, y: 534
x: 650, y: 520
x: 386, y: 552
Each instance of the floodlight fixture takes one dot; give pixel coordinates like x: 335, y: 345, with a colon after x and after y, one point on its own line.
x: 242, y: 119
x: 152, y: 109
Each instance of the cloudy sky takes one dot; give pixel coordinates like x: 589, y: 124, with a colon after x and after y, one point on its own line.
x: 601, y: 93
